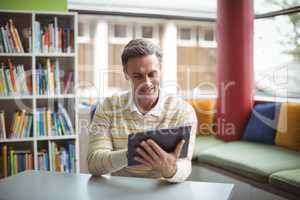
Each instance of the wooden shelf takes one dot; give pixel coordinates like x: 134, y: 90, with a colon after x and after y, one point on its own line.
x: 16, y: 97
x: 65, y: 137
x: 55, y: 54
x: 55, y: 96
x: 68, y: 61
x: 16, y: 54
x: 16, y: 140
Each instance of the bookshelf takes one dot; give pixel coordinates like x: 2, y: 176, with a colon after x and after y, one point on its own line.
x: 43, y: 134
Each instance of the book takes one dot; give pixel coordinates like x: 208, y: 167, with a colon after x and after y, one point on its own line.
x: 54, y: 38
x: 63, y: 157
x: 13, y: 80
x: 48, y: 77
x: 5, y: 161
x: 2, y: 125
x: 16, y: 160
x: 50, y: 123
x: 68, y: 82
x: 21, y: 124
x: 43, y: 160
x: 66, y: 118
x: 10, y: 40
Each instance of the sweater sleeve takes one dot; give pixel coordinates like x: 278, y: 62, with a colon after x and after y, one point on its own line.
x: 101, y: 158
x: 184, y: 165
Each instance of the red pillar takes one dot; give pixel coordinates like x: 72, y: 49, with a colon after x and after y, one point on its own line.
x: 235, y: 67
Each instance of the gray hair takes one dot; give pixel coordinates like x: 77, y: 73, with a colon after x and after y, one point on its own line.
x: 139, y: 48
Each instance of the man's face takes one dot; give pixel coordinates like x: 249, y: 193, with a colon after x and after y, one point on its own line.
x: 144, y: 74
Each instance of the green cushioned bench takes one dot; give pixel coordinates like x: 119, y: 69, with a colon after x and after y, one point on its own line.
x: 267, y: 164
x: 288, y: 180
x: 203, y: 143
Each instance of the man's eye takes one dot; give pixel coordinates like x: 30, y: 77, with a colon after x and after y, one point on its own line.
x: 152, y: 74
x: 137, y: 77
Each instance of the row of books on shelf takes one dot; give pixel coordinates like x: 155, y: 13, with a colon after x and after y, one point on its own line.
x: 20, y: 126
x: 63, y: 157
x: 14, y: 80
x: 49, y: 78
x: 15, y: 161
x: 52, y: 38
x: 10, y: 41
x: 53, y: 123
x: 48, y: 123
x: 49, y: 38
x: 43, y: 160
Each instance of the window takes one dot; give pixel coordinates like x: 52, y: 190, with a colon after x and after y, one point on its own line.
x: 186, y: 36
x: 277, y: 56
x: 196, y: 64
x: 148, y: 31
x: 103, y: 38
x: 120, y: 32
x: 207, y: 37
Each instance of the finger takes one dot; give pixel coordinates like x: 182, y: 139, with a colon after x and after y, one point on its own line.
x: 144, y: 155
x: 141, y: 160
x: 149, y: 150
x: 159, y: 151
x: 179, y: 148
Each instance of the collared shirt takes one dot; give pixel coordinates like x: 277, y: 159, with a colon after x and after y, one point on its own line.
x: 155, y: 111
x: 118, y: 116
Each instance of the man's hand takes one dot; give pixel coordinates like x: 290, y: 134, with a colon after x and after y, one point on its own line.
x: 152, y: 155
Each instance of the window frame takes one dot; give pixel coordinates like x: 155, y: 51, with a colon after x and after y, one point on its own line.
x: 187, y: 43
x: 201, y: 37
x: 155, y: 32
x: 120, y: 40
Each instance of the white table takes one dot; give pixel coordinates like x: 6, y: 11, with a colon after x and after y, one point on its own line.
x: 42, y: 185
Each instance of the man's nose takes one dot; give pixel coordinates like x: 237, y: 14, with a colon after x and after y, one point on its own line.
x: 147, y: 81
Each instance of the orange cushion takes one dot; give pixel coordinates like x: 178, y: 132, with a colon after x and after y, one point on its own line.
x: 288, y: 128
x: 204, y: 109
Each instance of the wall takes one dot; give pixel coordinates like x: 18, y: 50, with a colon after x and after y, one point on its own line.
x: 37, y: 5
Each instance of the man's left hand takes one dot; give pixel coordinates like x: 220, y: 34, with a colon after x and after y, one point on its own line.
x: 153, y: 155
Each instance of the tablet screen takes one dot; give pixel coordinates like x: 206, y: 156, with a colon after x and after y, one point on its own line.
x: 167, y: 139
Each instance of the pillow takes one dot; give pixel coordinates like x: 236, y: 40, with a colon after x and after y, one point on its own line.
x: 288, y: 129
x: 204, y: 109
x: 262, y: 124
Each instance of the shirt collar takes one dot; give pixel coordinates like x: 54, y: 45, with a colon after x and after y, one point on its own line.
x: 155, y: 111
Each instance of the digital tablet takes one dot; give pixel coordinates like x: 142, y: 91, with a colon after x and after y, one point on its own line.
x: 167, y: 139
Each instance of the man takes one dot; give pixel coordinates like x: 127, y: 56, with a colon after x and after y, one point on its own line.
x: 144, y: 107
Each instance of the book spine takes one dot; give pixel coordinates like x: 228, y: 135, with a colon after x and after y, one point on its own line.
x: 6, y: 89
x: 18, y: 40
x: 13, y: 37
x: 2, y: 84
x: 29, y: 125
x: 5, y: 160
x: 13, y: 79
x: 17, y: 81
x: 2, y: 125
x: 9, y: 40
x: 20, y: 124
x: 9, y: 83
x: 57, y: 77
x: 37, y: 39
x: 5, y: 40
x: 2, y: 48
